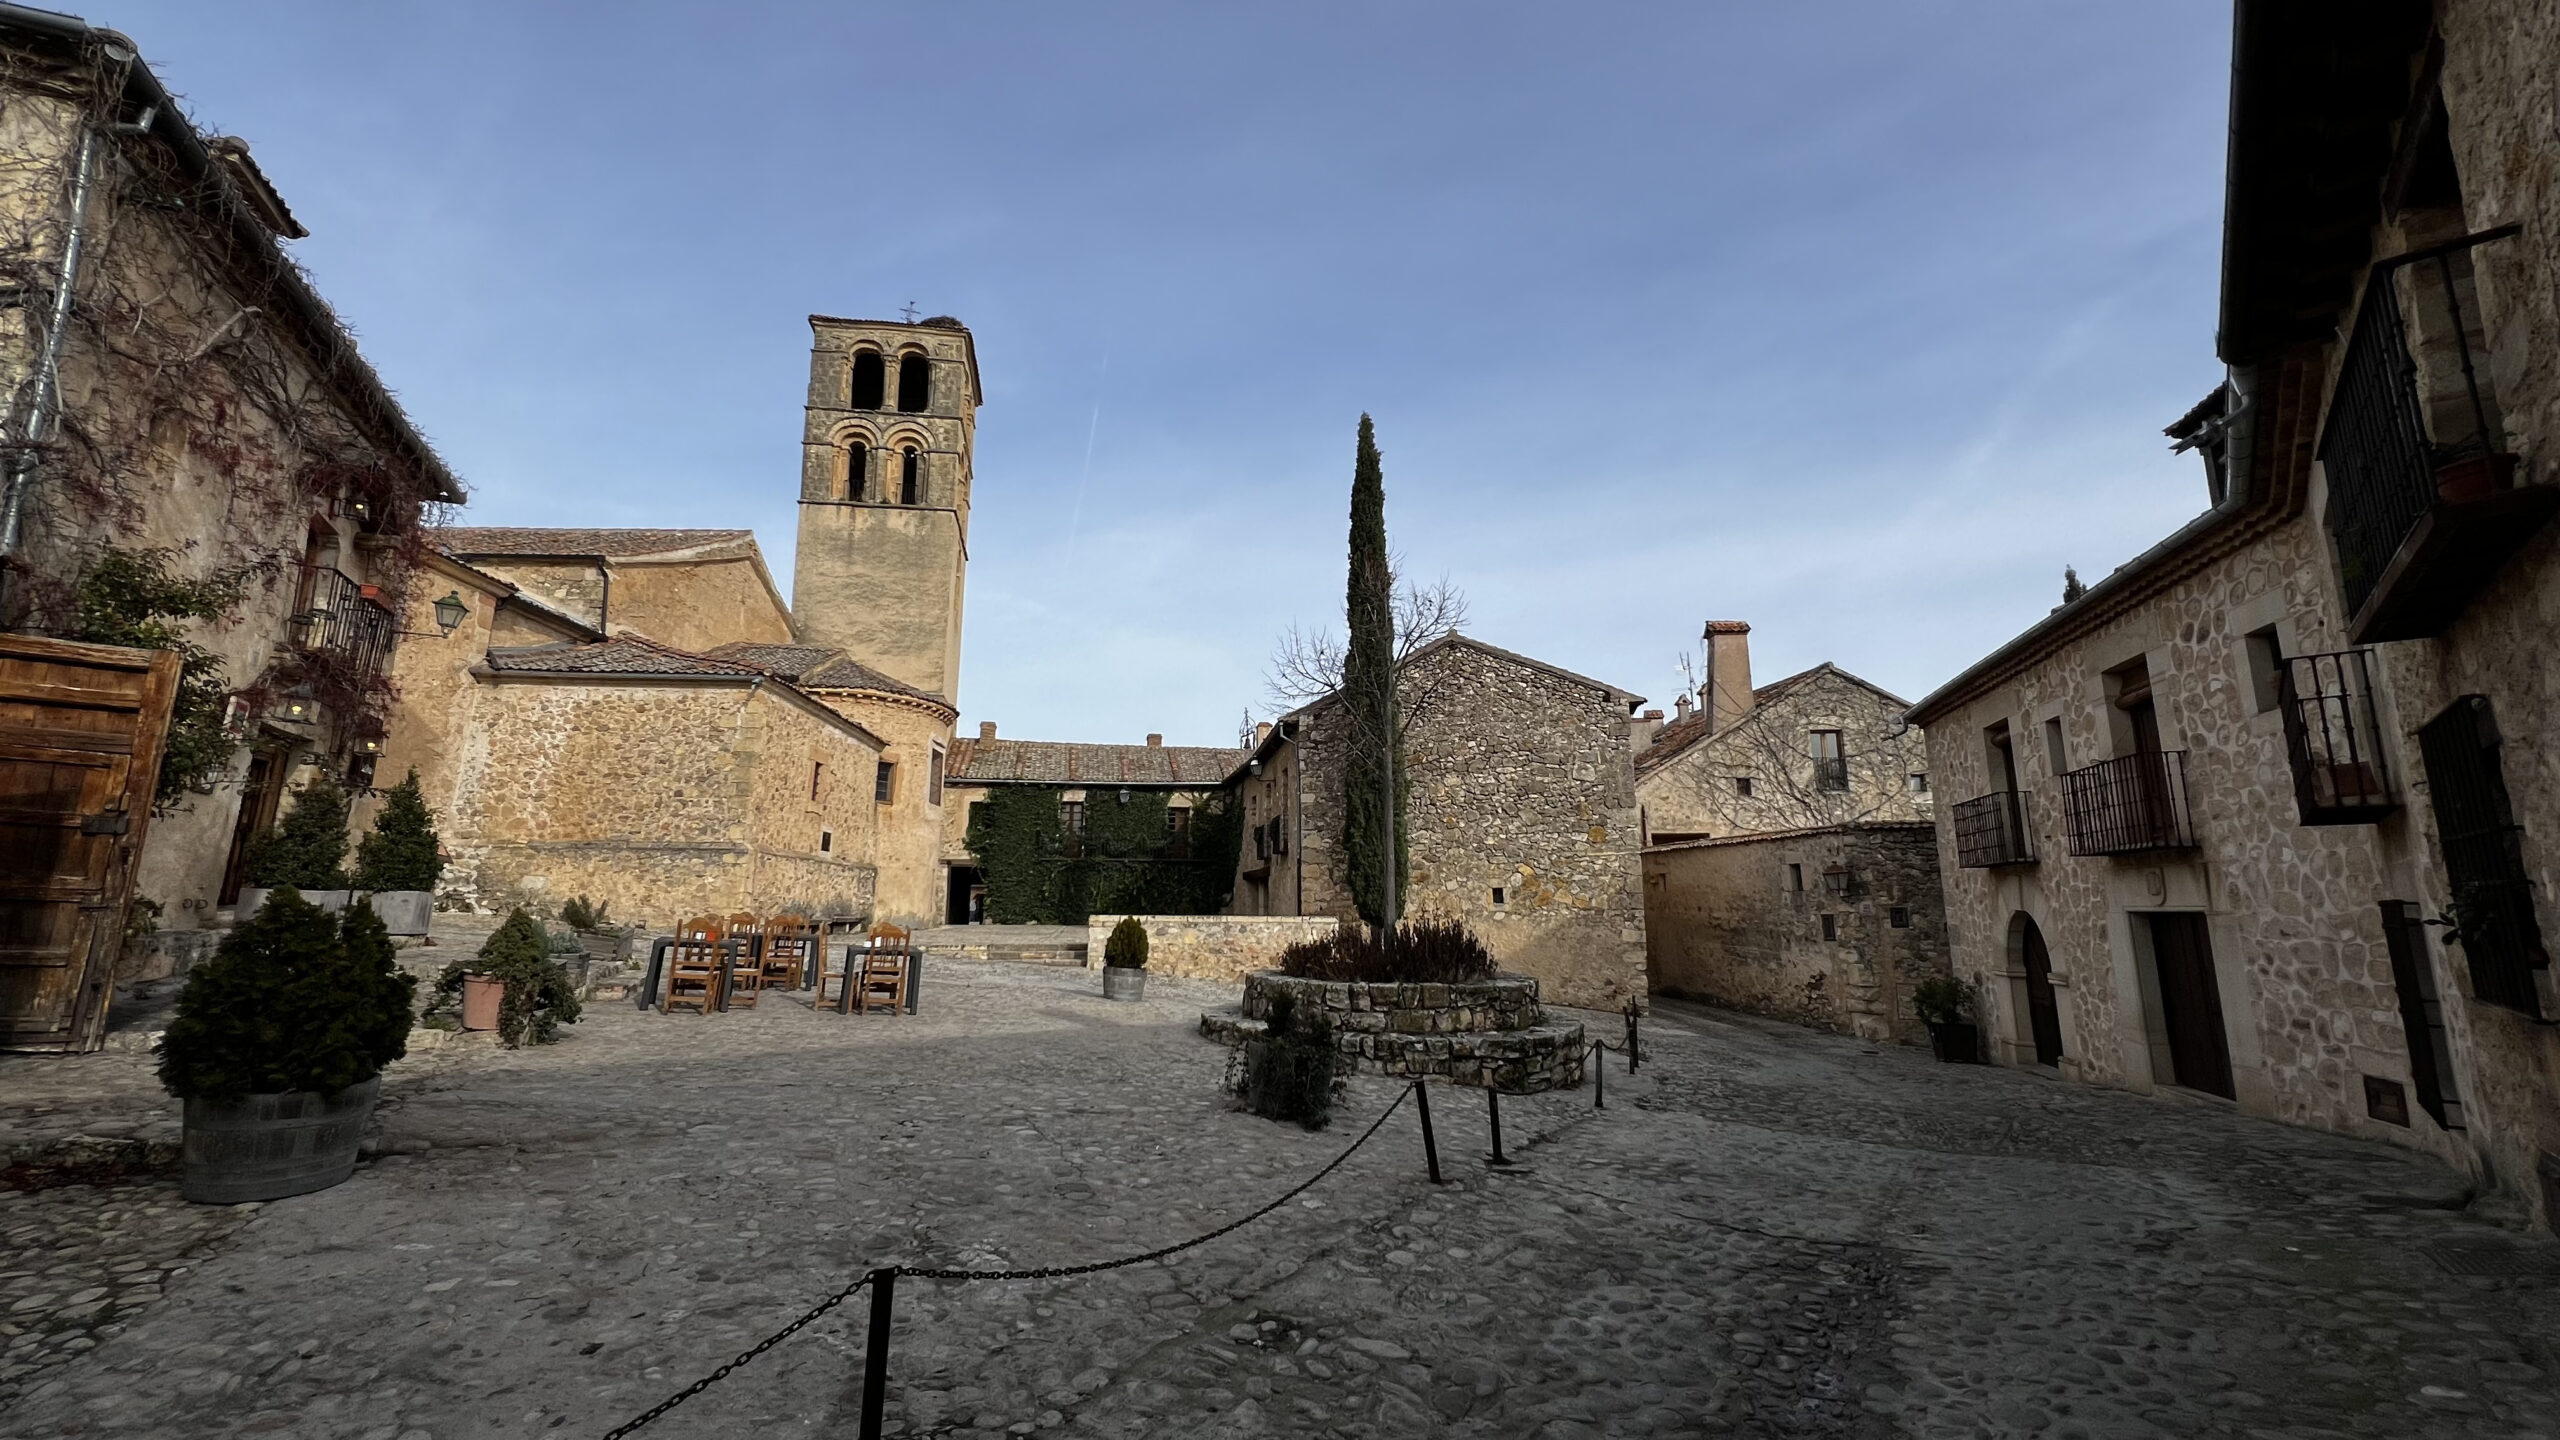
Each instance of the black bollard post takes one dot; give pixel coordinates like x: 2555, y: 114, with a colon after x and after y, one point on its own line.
x: 1599, y: 1077
x: 1634, y: 1049
x: 875, y: 1365
x: 1493, y: 1108
x: 1430, y: 1146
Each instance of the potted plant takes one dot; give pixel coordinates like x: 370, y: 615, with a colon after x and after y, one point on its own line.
x: 2463, y: 479
x: 1124, y: 961
x: 399, y: 860
x: 1942, y: 1001
x: 597, y: 935
x: 277, y: 1050
x: 306, y: 852
x: 513, y: 987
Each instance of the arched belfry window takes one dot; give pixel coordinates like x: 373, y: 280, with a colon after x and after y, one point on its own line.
x: 910, y: 476
x: 857, y: 469
x: 870, y: 379
x: 915, y: 383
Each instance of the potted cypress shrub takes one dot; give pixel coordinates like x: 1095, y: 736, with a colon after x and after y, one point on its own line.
x: 398, y: 860
x: 513, y: 987
x: 277, y: 1050
x: 306, y: 851
x: 1124, y: 961
x: 1942, y: 1001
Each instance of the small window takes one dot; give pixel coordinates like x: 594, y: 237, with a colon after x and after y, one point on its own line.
x: 857, y: 471
x: 1177, y: 819
x: 2053, y: 744
x: 1830, y: 927
x: 1071, y: 816
x: 933, y: 778
x: 870, y: 379
x: 1742, y: 786
x: 884, y: 785
x: 1919, y: 782
x: 1830, y: 762
x: 1497, y: 890
x: 1899, y: 917
x: 915, y: 383
x: 1795, y: 878
x: 2266, y: 664
x: 826, y: 841
x: 817, y: 777
x: 910, y: 476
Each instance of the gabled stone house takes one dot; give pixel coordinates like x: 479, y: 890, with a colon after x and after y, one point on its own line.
x: 175, y: 385
x: 1789, y: 861
x: 2266, y: 815
x: 1522, y: 816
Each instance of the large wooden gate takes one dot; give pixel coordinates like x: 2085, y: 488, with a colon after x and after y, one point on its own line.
x: 81, y: 731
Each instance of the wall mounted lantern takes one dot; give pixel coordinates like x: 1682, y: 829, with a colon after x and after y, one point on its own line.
x: 450, y: 611
x: 1835, y: 878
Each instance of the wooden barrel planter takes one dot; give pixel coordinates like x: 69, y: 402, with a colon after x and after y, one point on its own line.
x: 266, y: 1147
x: 1123, y: 982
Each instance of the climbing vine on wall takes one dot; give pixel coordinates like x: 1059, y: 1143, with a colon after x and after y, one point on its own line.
x: 1124, y: 861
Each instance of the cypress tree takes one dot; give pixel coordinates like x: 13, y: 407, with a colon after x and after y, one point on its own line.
x: 1373, y: 824
x: 400, y: 851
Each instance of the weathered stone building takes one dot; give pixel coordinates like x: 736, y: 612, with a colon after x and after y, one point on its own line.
x: 1522, y: 817
x: 1785, y: 829
x: 1190, y: 778
x: 177, y: 389
x: 2220, y: 803
x: 691, y: 589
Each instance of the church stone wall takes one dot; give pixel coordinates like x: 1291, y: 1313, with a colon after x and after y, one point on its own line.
x: 911, y: 826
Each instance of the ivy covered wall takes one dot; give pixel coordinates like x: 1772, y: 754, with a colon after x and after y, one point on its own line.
x: 1124, y: 862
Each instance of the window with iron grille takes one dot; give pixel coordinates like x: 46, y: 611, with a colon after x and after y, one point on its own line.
x: 2483, y: 847
x: 1830, y: 761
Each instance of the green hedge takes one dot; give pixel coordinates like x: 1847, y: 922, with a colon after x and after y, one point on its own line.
x: 1036, y: 874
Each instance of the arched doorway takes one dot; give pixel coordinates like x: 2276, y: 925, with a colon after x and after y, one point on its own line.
x: 2044, y: 1017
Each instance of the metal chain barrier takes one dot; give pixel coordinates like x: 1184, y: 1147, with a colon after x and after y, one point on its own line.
x: 886, y: 1277
x: 707, y: 1381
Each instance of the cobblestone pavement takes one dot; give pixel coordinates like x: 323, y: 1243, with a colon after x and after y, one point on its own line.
x: 1767, y: 1233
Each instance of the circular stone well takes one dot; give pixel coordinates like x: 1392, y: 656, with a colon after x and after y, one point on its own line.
x: 1484, y: 1032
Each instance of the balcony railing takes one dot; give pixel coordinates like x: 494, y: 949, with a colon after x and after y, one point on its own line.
x: 2422, y: 500
x: 1830, y: 772
x: 2129, y: 804
x: 1992, y: 830
x: 338, y: 617
x: 2332, y: 740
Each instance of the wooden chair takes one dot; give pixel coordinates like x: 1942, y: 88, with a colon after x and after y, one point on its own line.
x: 841, y: 975
x: 696, y: 966
x: 746, y: 960
x: 789, y: 942
x: 882, y: 978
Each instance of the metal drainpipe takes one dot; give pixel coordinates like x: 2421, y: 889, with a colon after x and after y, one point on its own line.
x: 42, y: 406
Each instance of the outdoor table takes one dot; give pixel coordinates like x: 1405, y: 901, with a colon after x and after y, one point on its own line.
x: 648, y: 996
x: 915, y: 976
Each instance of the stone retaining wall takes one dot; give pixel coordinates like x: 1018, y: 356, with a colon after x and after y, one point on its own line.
x: 1213, y: 947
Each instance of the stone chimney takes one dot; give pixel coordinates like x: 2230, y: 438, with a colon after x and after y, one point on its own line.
x: 1155, y: 741
x: 1261, y: 732
x: 1727, y: 693
x: 1643, y: 728
x: 986, y: 729
x: 1682, y: 705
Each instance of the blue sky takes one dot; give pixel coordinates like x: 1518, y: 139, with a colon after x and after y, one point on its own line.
x: 1855, y: 321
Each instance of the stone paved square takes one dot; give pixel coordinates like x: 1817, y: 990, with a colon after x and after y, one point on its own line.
x: 1767, y: 1232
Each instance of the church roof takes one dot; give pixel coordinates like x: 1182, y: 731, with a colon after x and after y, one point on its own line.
x: 621, y: 655
x: 1056, y: 762
x: 815, y: 667
x: 1679, y: 735
x: 619, y: 544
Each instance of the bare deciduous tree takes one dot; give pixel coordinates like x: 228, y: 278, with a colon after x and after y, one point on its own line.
x: 1306, y: 666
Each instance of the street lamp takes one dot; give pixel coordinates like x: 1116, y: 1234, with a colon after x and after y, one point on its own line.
x: 450, y: 611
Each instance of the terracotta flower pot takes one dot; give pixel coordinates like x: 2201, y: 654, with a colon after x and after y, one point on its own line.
x: 481, y: 995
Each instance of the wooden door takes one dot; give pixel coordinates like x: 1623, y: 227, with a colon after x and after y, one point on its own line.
x: 2044, y: 1017
x: 259, y: 794
x: 81, y: 731
x: 2190, y: 1004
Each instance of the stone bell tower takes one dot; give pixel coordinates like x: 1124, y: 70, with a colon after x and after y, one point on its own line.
x: 884, y: 495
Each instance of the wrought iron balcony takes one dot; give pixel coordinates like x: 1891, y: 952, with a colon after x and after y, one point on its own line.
x: 2423, y: 502
x: 2129, y: 804
x: 1830, y: 772
x: 340, y: 618
x: 2332, y: 739
x: 1992, y: 830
